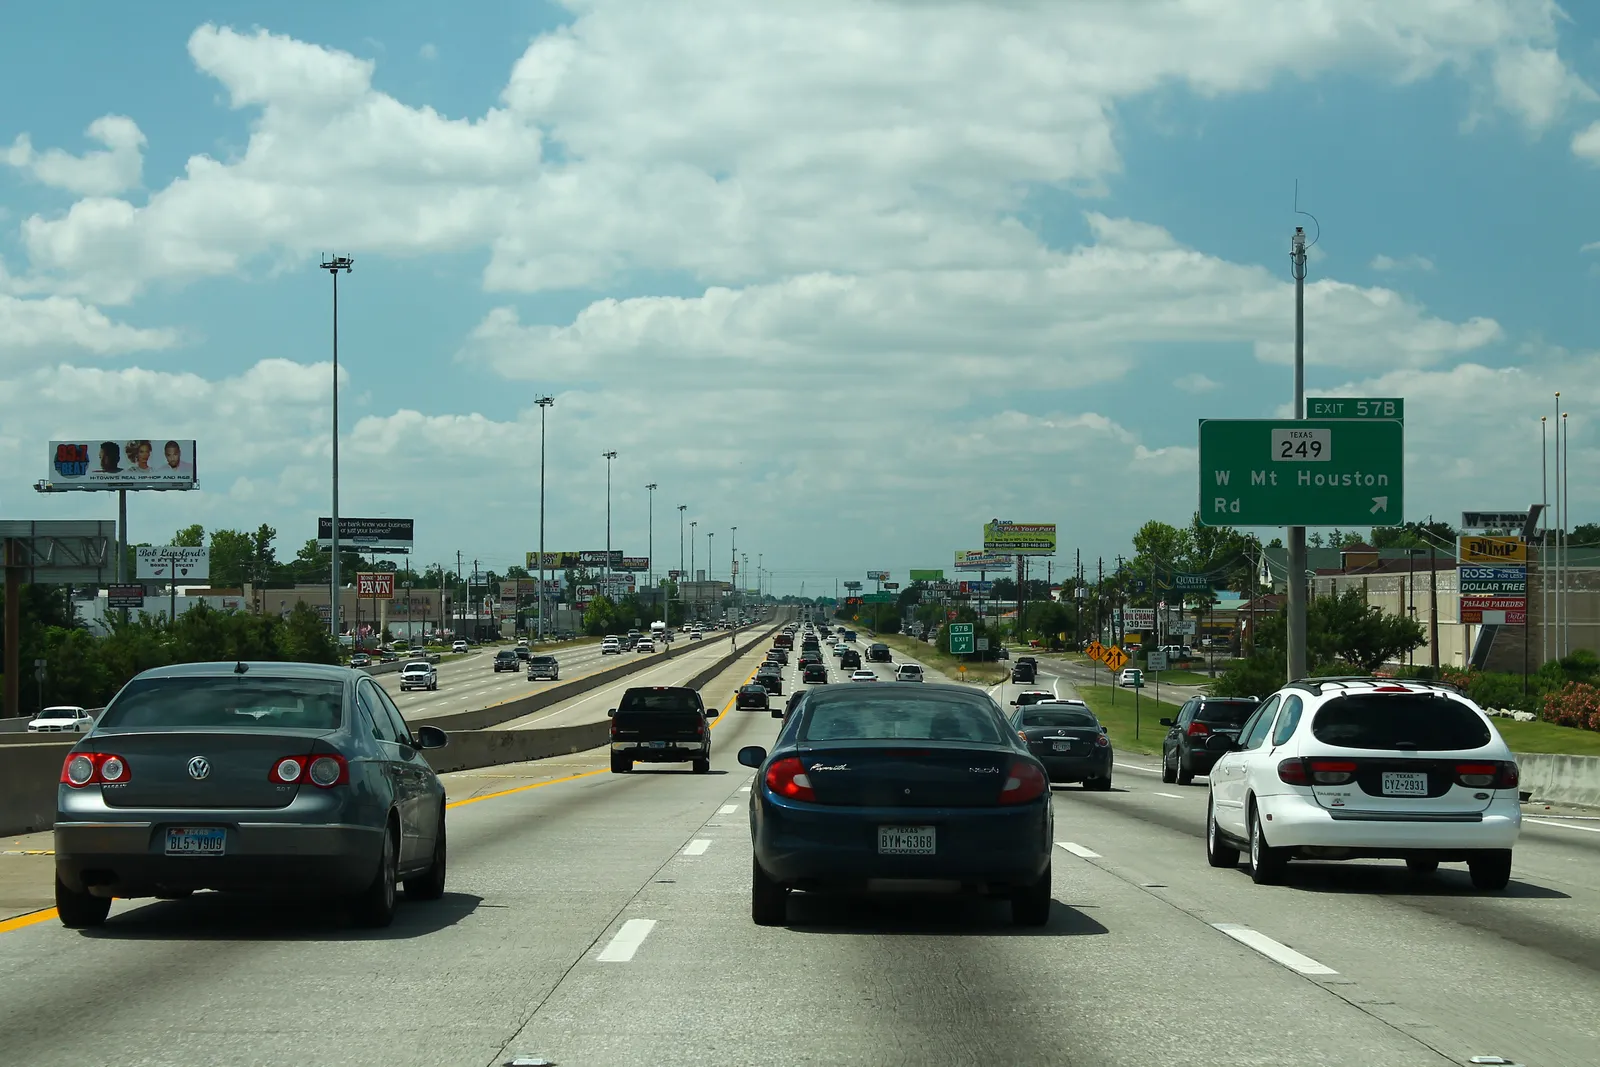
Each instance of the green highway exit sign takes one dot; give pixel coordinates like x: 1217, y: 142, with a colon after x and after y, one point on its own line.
x: 1355, y: 407
x: 961, y: 639
x: 1310, y: 472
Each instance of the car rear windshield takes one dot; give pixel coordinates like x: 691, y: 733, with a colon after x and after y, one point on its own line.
x: 659, y: 700
x: 543, y: 661
x: 1404, y: 721
x: 873, y: 717
x: 1038, y: 715
x: 241, y: 702
x: 1231, y: 712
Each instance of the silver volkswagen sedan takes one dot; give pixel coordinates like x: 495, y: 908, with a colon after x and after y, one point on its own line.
x: 254, y: 777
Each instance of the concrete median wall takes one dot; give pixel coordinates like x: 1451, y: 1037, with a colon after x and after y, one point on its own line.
x: 490, y: 748
x: 1560, y: 779
x: 29, y: 775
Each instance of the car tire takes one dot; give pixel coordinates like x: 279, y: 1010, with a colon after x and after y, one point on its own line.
x: 1421, y: 868
x: 1490, y: 870
x: 1185, y: 770
x: 1169, y: 774
x: 79, y: 911
x: 1030, y: 905
x: 702, y: 766
x: 769, y: 900
x: 1098, y: 785
x: 429, y: 885
x: 1266, y: 863
x: 373, y: 907
x: 1218, y: 852
x: 621, y: 765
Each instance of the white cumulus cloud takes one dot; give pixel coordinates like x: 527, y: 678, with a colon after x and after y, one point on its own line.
x: 100, y: 173
x: 1391, y: 263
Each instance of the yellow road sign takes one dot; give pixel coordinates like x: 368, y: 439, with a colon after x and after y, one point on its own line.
x: 1115, y: 658
x: 1096, y: 650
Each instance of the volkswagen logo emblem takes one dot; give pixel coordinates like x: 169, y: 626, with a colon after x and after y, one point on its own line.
x: 199, y: 767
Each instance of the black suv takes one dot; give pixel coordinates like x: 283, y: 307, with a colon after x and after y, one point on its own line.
x: 849, y: 659
x: 752, y: 696
x: 771, y: 680
x: 815, y: 674
x: 661, y: 724
x: 506, y: 660
x: 878, y: 652
x: 1023, y: 672
x: 1183, y: 752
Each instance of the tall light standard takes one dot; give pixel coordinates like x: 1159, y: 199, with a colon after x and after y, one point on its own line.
x: 681, y: 575
x: 609, y: 457
x: 333, y: 265
x: 692, y: 525
x: 543, y: 402
x: 650, y: 544
x: 733, y: 566
x: 711, y: 567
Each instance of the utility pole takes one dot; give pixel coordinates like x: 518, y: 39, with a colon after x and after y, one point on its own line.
x: 650, y: 544
x: 1433, y: 607
x: 683, y: 576
x: 692, y: 525
x: 544, y: 403
x: 609, y: 456
x: 456, y: 615
x: 333, y: 265
x: 1296, y: 607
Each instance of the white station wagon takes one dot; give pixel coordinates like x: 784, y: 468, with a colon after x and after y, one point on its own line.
x: 1365, y: 768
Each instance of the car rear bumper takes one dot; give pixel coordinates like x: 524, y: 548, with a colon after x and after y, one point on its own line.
x: 672, y: 752
x: 129, y: 860
x: 1295, y: 822
x: 1063, y: 768
x: 815, y: 848
x: 548, y: 676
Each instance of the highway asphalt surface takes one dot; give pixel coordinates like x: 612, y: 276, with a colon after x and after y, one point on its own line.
x: 593, y: 918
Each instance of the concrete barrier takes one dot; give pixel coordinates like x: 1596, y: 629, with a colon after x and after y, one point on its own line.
x: 29, y: 775
x: 1560, y: 779
x: 489, y: 748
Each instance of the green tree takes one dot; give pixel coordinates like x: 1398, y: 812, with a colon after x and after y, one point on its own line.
x: 600, y: 616
x: 190, y: 536
x: 1587, y: 533
x: 232, y: 554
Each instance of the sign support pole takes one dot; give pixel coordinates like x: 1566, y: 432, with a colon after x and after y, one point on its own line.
x: 11, y: 557
x: 1296, y: 606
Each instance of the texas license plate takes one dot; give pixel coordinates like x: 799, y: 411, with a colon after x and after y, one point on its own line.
x: 658, y: 744
x: 1062, y: 746
x: 905, y: 840
x: 1405, y: 784
x: 196, y: 840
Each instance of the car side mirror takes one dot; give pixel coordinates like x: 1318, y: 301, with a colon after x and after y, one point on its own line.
x: 752, y: 755
x: 712, y: 713
x: 1165, y: 722
x: 1222, y: 743
x: 612, y: 714
x: 431, y: 737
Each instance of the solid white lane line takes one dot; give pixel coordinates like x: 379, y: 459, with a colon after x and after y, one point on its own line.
x: 1174, y: 796
x: 627, y: 941
x: 1275, y: 951
x: 726, y: 809
x: 1136, y: 767
x: 1564, y: 825
x: 1078, y: 850
x: 697, y: 847
x: 742, y: 788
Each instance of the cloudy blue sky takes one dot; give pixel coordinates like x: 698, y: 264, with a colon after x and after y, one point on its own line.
x: 852, y: 277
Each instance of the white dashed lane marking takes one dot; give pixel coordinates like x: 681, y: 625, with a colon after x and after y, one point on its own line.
x: 1078, y: 850
x: 726, y: 809
x: 697, y: 847
x: 1275, y: 951
x: 1174, y: 796
x: 627, y: 941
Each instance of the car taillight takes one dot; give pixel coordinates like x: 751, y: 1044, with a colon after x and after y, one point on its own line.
x: 1487, y: 775
x: 700, y: 728
x: 1332, y: 772
x: 1024, y: 782
x: 325, y: 770
x: 95, y: 768
x: 787, y: 778
x: 1293, y: 772
x: 1102, y: 741
x: 1198, y: 729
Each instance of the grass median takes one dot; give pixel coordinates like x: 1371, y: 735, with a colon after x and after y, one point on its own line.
x: 1114, y: 707
x: 929, y: 655
x: 1548, y: 738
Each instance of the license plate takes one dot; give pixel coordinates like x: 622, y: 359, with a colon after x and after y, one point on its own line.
x: 1062, y: 746
x: 1405, y: 784
x: 196, y: 840
x: 905, y: 840
x: 658, y: 744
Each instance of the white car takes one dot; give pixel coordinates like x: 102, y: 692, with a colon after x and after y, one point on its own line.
x: 1365, y: 769
x: 62, y: 719
x: 611, y: 646
x: 908, y: 672
x: 644, y: 645
x: 1131, y: 678
x: 694, y: 635
x: 418, y: 674
x: 459, y: 646
x: 863, y: 675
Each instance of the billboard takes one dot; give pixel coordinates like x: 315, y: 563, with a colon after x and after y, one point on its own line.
x: 600, y: 558
x: 1022, y: 538
x: 125, y: 597
x: 1495, y: 610
x: 1490, y: 551
x: 368, y: 535
x: 375, y: 585
x: 156, y: 463
x: 634, y: 563
x: 877, y: 576
x: 983, y: 561
x: 927, y: 576
x: 554, y: 561
x: 172, y: 562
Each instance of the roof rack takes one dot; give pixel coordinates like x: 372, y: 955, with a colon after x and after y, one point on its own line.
x: 1315, y: 686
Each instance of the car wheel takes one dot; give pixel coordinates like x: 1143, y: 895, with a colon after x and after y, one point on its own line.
x: 1030, y: 905
x: 621, y: 765
x: 1266, y: 863
x: 1099, y: 785
x: 429, y: 885
x: 1169, y: 774
x: 1218, y: 852
x: 1185, y: 770
x: 1422, y: 867
x: 78, y: 911
x: 769, y: 900
x: 373, y: 907
x: 702, y: 766
x: 1491, y: 870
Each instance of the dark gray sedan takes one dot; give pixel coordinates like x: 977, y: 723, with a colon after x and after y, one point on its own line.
x: 269, y: 777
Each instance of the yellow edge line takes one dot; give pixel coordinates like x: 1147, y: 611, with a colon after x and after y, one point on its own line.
x: 33, y: 918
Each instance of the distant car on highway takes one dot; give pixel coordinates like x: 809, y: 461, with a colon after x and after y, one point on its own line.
x: 1069, y: 740
x: 611, y: 646
x: 644, y: 645
x: 1184, y: 753
x: 697, y: 634
x: 418, y: 674
x: 908, y: 672
x: 1131, y: 678
x: 543, y: 667
x: 752, y: 697
x: 61, y: 719
x: 506, y: 660
x: 771, y: 679
x: 661, y: 724
x: 250, y: 777
x: 850, y: 659
x: 1032, y: 696
x: 814, y: 674
x: 457, y: 646
x: 779, y: 655
x: 863, y: 675
x: 1365, y: 768
x: 360, y: 659
x: 1023, y: 672
x: 878, y: 652
x: 840, y: 803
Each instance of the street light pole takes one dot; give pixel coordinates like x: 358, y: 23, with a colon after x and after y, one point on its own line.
x: 1296, y: 628
x: 682, y: 577
x: 609, y: 457
x: 333, y: 265
x: 544, y: 402
x: 650, y: 546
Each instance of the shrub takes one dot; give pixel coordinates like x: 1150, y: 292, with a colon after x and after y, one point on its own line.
x: 1577, y: 704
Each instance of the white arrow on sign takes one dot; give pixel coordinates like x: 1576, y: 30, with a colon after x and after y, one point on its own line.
x: 1379, y: 503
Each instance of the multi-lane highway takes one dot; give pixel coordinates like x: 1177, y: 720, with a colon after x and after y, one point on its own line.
x: 595, y: 918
